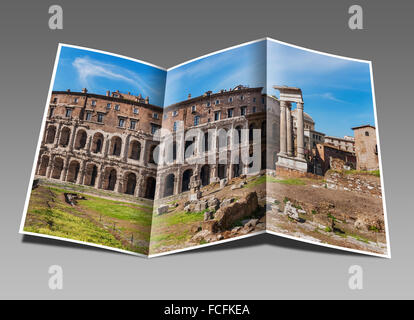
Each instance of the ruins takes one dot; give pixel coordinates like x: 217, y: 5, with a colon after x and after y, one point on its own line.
x: 109, y: 141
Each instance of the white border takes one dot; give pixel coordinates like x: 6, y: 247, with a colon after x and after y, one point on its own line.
x: 388, y: 255
x: 42, y: 127
x: 207, y: 244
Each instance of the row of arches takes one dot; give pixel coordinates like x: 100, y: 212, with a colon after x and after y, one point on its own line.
x: 97, y: 143
x: 204, y: 176
x: 109, y: 181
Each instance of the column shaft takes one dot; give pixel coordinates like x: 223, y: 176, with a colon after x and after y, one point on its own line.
x: 283, y: 147
x: 300, y: 132
x: 289, y: 132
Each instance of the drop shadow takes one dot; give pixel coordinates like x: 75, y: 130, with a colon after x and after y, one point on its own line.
x: 275, y: 241
x: 32, y: 239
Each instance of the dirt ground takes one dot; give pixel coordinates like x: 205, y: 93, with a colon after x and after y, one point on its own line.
x: 342, y: 210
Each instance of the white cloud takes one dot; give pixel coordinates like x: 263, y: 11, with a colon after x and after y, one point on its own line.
x: 88, y: 69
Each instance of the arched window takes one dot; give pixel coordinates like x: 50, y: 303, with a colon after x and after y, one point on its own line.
x: 135, y: 150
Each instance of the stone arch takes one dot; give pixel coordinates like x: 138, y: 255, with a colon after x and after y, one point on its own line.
x: 222, y: 138
x: 97, y: 142
x: 222, y: 171
x: 110, y: 179
x: 73, y: 171
x: 150, y: 188
x: 116, y: 146
x: 236, y: 170
x: 206, y: 137
x: 237, y: 135
x: 205, y: 175
x: 153, y: 154
x: 91, y: 174
x: 185, y: 186
x: 57, y: 168
x: 130, y: 183
x: 80, y: 141
x: 44, y: 163
x: 50, y: 134
x: 64, y: 137
x: 134, y: 150
x: 169, y: 185
x: 251, y: 128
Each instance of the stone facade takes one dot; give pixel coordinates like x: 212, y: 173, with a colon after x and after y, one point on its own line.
x: 103, y: 141
x: 346, y: 143
x: 217, y: 115
x: 366, y: 147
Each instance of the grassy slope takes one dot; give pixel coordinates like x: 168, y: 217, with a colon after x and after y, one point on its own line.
x: 49, y: 214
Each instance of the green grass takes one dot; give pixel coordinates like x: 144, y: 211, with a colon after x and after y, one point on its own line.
x: 49, y: 214
x: 118, y: 210
x: 59, y: 223
x: 375, y: 173
x: 268, y: 179
x: 180, y: 217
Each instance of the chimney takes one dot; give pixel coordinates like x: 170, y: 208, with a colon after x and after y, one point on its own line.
x: 84, y: 90
x: 108, y: 93
x: 189, y: 96
x: 146, y: 100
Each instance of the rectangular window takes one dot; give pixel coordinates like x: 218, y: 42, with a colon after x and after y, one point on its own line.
x: 241, y: 97
x: 196, y: 120
x: 121, y: 122
x: 51, y: 112
x: 100, y: 117
x: 254, y: 109
x: 76, y: 100
x: 117, y: 107
x: 55, y: 100
x: 93, y: 102
x: 108, y: 106
x: 88, y: 116
x: 175, y: 113
x: 68, y: 113
x: 208, y: 103
x: 155, y: 115
x: 230, y: 113
x: 263, y: 100
x: 193, y: 108
x: 132, y: 124
x: 230, y: 99
x: 254, y: 99
x: 216, y: 115
x: 175, y: 126
x: 217, y: 101
x: 154, y: 128
x: 243, y: 111
x: 135, y: 110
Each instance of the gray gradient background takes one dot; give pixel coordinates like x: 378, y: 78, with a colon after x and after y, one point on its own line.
x: 168, y: 33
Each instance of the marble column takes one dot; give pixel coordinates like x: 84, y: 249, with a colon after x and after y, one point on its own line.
x: 283, y: 127
x: 289, y: 131
x: 300, y: 132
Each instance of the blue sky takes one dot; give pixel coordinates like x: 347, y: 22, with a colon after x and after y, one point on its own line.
x: 99, y: 72
x: 336, y: 91
x: 243, y: 65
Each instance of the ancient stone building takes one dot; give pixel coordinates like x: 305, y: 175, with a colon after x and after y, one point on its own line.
x: 220, y: 119
x: 346, y: 143
x: 103, y: 141
x: 366, y: 148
